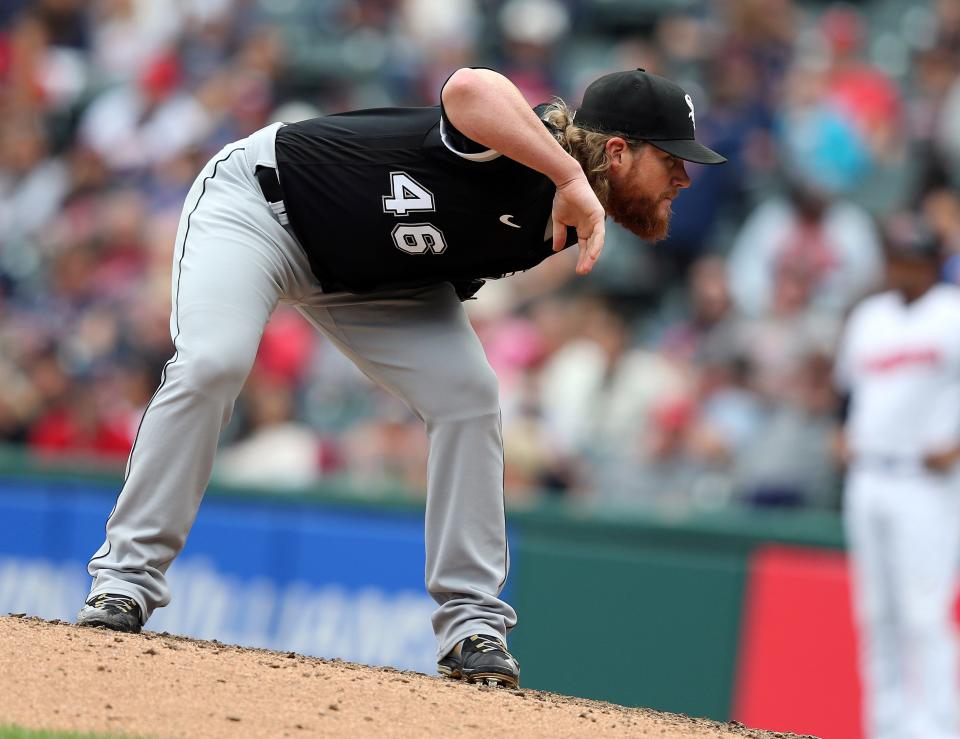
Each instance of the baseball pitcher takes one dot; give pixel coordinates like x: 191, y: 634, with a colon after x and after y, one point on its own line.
x: 375, y: 224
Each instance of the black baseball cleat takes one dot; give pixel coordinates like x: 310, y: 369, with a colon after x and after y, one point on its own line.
x: 115, y: 612
x: 481, y: 659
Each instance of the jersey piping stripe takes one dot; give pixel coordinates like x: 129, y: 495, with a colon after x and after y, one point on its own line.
x: 170, y: 362
x: 503, y: 494
x: 481, y: 156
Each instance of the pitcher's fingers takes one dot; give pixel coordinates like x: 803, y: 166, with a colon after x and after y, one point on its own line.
x: 595, y: 242
x: 590, y: 249
x: 584, y: 264
x: 559, y: 235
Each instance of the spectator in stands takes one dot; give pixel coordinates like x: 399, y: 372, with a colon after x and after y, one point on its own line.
x: 791, y: 462
x: 833, y: 238
x: 711, y: 327
x: 147, y: 122
x: 765, y: 31
x: 597, y: 392
x: 129, y: 35
x: 33, y: 184
x: 941, y: 209
x: 277, y: 450
x: 932, y: 75
x: 778, y: 343
x: 947, y: 132
x: 866, y: 95
x: 732, y: 414
x: 662, y: 473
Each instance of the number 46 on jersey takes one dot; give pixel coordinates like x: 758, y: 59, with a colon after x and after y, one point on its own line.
x: 409, y: 196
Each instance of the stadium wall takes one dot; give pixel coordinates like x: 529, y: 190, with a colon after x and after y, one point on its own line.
x: 728, y: 615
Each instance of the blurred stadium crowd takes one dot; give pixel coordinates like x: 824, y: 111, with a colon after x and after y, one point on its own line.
x: 692, y: 373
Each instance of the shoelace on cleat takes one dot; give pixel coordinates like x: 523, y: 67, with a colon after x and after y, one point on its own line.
x: 483, y: 644
x: 120, y: 602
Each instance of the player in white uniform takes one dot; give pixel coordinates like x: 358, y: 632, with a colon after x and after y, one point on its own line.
x: 900, y: 362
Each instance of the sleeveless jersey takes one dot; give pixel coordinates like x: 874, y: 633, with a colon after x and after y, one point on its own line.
x: 391, y: 197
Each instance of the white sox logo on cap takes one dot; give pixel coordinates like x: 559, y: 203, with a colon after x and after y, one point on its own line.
x: 690, y: 105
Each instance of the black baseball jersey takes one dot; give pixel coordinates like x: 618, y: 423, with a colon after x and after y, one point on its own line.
x: 398, y: 197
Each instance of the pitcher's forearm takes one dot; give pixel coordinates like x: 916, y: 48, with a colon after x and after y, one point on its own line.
x: 487, y: 108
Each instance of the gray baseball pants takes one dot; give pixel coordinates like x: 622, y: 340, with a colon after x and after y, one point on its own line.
x: 232, y: 264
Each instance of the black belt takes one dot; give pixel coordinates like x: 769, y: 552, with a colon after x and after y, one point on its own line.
x: 273, y: 193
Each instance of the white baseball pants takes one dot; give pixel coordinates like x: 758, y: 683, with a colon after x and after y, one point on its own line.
x: 903, y: 532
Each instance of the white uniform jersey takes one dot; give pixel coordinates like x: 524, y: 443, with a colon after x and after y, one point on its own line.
x: 901, y: 363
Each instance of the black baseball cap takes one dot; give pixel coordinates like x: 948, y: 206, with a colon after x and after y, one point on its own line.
x: 645, y: 107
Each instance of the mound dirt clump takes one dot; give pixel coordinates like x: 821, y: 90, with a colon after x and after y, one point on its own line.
x: 55, y: 675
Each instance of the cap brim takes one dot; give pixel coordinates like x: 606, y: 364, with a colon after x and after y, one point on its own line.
x: 690, y: 150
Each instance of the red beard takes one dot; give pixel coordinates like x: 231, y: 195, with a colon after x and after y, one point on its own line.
x: 639, y: 215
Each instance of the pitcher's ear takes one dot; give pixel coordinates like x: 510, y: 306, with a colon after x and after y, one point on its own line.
x: 615, y: 147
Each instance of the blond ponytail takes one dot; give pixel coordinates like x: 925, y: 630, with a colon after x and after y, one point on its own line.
x: 587, y: 147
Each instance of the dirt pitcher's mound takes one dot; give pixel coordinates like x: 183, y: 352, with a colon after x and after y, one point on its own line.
x: 59, y: 676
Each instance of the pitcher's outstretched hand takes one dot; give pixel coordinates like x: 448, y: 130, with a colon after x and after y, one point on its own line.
x: 575, y: 204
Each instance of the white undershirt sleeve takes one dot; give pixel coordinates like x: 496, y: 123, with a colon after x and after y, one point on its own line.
x: 487, y: 155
